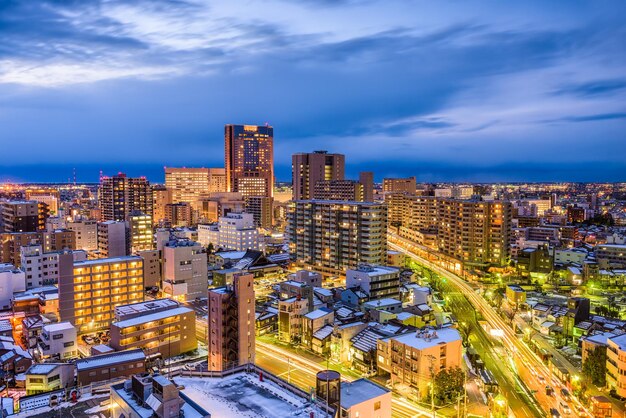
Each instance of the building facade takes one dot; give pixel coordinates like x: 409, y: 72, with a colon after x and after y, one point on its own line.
x: 310, y: 168
x: 185, y: 275
x: 119, y: 195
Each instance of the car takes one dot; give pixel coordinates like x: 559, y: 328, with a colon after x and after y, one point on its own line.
x: 549, y: 390
x: 554, y: 413
x: 580, y: 411
x: 541, y: 379
x: 565, y: 409
x: 565, y: 394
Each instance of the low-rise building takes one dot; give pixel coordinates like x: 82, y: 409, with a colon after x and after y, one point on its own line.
x: 110, y: 366
x: 47, y: 377
x: 378, y: 282
x: 158, y: 326
x: 616, y: 364
x: 363, y: 398
x: 58, y: 341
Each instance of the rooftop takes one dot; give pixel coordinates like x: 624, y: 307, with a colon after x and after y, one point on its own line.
x: 144, y: 307
x: 103, y: 360
x: 42, y: 369
x: 142, y: 319
x: 425, y: 338
x: 112, y: 260
x: 60, y: 326
x: 373, y: 270
x: 359, y: 391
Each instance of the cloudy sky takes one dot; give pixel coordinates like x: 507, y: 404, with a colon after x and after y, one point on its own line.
x: 459, y: 91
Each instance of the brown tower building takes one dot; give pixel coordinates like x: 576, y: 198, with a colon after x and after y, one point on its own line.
x: 308, y: 169
x: 119, y: 195
x: 249, y: 159
x: 231, y: 324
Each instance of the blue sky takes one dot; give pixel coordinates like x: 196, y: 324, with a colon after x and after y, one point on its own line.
x: 446, y: 91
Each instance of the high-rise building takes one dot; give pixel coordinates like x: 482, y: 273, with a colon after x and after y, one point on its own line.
x: 469, y: 231
x: 338, y: 190
x: 261, y: 208
x: 308, y: 169
x: 333, y: 236
x: 161, y: 197
x: 119, y: 195
x: 249, y: 159
x: 400, y: 185
x: 231, y: 321
x: 192, y: 185
x: 86, y: 231
x: 23, y: 215
x: 140, y: 231
x: 366, y: 178
x: 113, y: 239
x: 178, y: 214
x: 89, y: 291
x: 42, y: 268
x: 185, y: 275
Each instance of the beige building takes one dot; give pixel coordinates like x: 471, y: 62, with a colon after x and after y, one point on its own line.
x: 231, y: 319
x: 616, y: 364
x: 333, y: 236
x: 407, y: 185
x: 151, y: 268
x: 158, y: 326
x: 161, y: 197
x: 50, y: 197
x: 112, y: 239
x: 412, y: 359
x: 90, y: 290
x: 185, y: 268
x: 86, y: 231
x: 192, y: 185
x: 308, y: 169
x: 140, y: 231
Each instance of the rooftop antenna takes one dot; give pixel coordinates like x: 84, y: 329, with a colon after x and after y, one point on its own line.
x: 74, y: 170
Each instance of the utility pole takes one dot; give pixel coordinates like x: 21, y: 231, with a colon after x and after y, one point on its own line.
x: 431, y: 358
x: 288, y: 369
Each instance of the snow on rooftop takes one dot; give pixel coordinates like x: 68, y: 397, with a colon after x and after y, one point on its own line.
x: 41, y: 368
x: 243, y: 395
x: 428, y: 338
x: 359, y: 391
x: 59, y: 326
x: 151, y: 317
x: 102, y: 360
x: 319, y: 313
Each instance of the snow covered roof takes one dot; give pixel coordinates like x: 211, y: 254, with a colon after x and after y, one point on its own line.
x: 109, y: 359
x: 359, y: 391
x: 319, y: 313
x: 151, y: 317
x: 43, y: 369
x: 323, y: 333
x: 59, y: 326
x: 366, y: 340
x: 426, y: 339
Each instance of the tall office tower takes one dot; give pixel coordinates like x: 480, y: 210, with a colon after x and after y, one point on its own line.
x: 50, y: 197
x: 366, y: 178
x: 119, y: 195
x: 113, y: 239
x: 231, y: 322
x: 185, y: 276
x: 249, y: 159
x: 89, y: 291
x: 178, y: 214
x: 333, y: 236
x: 140, y: 231
x: 217, y: 180
x: 161, y: 197
x: 309, y: 168
x: 187, y: 184
x: 86, y: 231
x: 338, y: 190
x: 23, y: 215
x: 261, y: 208
x: 400, y: 185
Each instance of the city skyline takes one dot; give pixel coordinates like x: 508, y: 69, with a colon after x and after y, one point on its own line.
x: 470, y: 93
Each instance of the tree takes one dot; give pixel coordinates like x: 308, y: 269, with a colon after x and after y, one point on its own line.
x: 594, y: 367
x: 448, y: 385
x: 465, y: 329
x: 210, y: 248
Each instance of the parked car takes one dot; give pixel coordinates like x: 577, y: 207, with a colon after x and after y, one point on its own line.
x: 565, y: 394
x: 554, y: 413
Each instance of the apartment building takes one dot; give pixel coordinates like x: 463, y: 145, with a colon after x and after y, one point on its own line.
x: 616, y: 364
x: 235, y: 231
x: 310, y: 168
x: 185, y: 276
x: 611, y: 256
x: 140, y: 232
x: 407, y: 185
x: 158, y: 326
x: 231, y: 329
x: 119, y: 195
x: 22, y: 215
x: 338, y: 190
x: 378, y: 282
x: 58, y: 340
x: 110, y: 366
x: 86, y: 231
x: 42, y: 268
x: 262, y: 210
x: 113, y: 239
x: 333, y: 236
x: 90, y: 290
x: 413, y: 358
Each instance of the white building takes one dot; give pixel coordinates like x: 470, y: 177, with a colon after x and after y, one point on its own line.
x: 235, y: 231
x: 363, y: 398
x: 86, y: 233
x: 11, y: 280
x: 43, y: 268
x: 58, y: 339
x: 185, y: 275
x: 377, y: 281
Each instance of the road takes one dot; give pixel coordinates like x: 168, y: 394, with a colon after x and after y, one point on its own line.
x: 525, y: 360
x: 301, y: 372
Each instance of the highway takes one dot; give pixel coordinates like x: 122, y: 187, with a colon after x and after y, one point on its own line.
x: 301, y: 372
x: 524, y: 358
